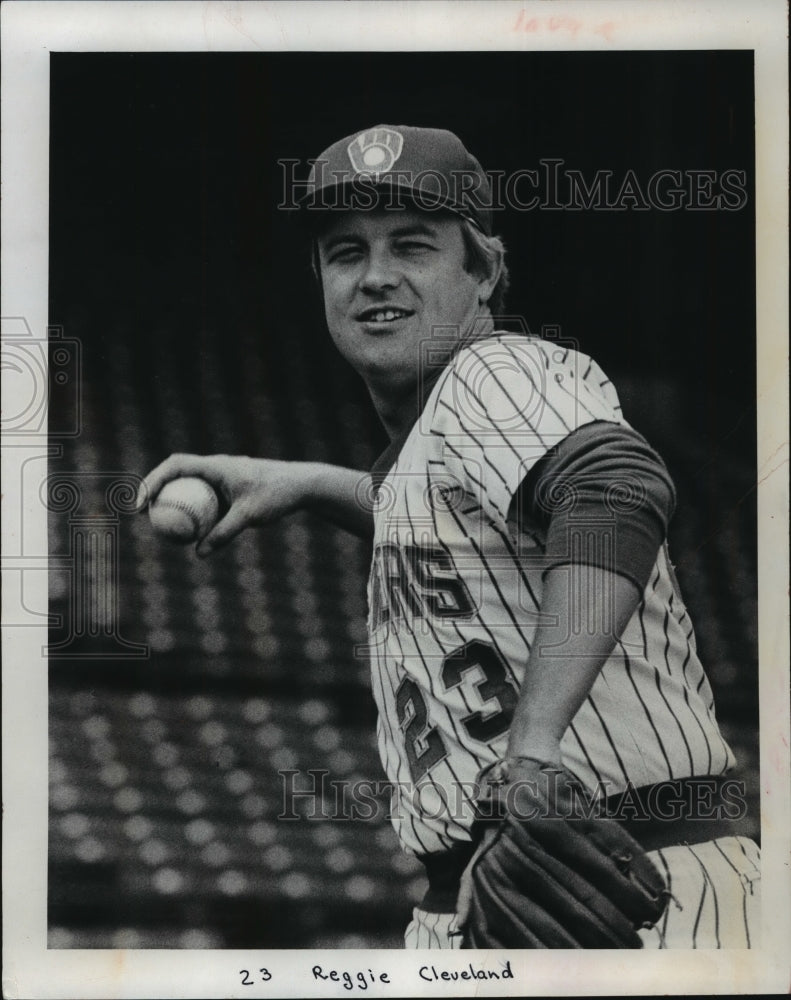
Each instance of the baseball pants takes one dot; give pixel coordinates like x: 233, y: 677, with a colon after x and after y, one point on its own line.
x: 715, y: 900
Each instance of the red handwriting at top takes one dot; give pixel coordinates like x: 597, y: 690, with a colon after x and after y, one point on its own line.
x: 562, y: 23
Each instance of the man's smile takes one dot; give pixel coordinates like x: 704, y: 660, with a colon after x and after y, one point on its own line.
x: 383, y: 314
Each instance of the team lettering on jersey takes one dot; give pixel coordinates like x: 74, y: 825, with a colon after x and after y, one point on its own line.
x: 414, y: 581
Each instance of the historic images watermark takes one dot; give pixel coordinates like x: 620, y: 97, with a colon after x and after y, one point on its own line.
x: 551, y: 185
x: 43, y: 408
x: 312, y: 795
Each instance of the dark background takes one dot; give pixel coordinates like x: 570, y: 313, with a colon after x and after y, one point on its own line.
x: 200, y: 330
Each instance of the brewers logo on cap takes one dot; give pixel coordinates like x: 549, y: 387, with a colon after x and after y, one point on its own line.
x: 375, y: 151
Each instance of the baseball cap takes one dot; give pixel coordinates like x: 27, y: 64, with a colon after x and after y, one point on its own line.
x: 384, y: 164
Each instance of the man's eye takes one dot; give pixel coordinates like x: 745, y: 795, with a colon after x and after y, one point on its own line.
x: 344, y: 254
x: 414, y: 246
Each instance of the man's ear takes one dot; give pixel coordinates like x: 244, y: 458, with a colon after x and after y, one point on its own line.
x: 488, y: 283
x: 315, y: 267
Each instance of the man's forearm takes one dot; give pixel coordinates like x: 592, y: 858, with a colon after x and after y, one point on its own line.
x: 590, y: 607
x: 343, y: 496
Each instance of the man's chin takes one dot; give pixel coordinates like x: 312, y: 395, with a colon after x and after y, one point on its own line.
x: 381, y: 370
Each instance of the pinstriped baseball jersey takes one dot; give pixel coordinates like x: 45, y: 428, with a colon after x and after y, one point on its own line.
x: 455, y: 598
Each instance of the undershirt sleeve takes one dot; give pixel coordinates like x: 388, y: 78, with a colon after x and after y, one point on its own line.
x: 602, y: 474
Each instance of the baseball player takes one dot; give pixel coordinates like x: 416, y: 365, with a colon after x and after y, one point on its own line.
x: 532, y: 658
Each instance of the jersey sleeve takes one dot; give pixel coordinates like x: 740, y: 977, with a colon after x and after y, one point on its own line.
x: 606, y: 479
x: 505, y: 403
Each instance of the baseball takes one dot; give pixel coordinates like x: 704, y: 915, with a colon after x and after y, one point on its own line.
x: 184, y: 510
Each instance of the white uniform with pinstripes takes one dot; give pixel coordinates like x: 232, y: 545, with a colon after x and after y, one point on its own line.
x: 455, y: 597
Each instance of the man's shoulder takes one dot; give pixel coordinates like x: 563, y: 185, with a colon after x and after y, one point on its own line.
x: 508, y: 350
x: 510, y: 384
x: 504, y: 362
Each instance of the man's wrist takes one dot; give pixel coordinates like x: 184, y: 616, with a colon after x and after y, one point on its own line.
x: 322, y: 480
x: 536, y: 746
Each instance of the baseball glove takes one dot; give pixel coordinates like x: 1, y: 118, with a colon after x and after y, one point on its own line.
x: 547, y: 873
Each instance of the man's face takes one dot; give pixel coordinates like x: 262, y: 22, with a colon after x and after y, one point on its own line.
x: 390, y: 278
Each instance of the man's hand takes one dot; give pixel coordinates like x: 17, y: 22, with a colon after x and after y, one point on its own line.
x: 256, y: 491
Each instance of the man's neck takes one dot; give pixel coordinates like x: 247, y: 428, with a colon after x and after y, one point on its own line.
x: 399, y: 411
x: 399, y: 408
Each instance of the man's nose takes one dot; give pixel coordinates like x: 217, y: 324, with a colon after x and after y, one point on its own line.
x: 381, y: 271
